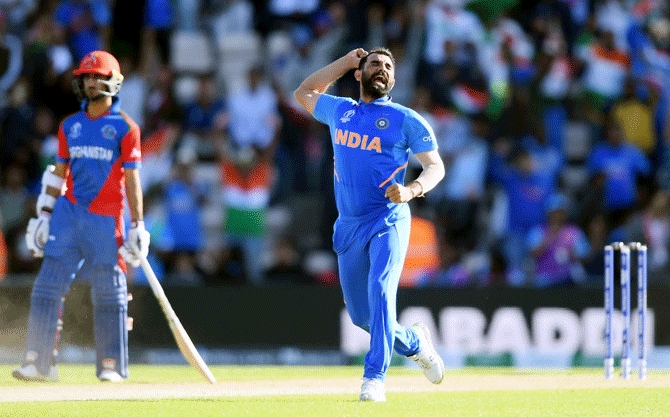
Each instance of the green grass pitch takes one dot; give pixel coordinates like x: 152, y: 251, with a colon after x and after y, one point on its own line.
x: 333, y: 391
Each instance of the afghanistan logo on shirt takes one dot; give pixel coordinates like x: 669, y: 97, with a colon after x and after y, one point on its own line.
x: 75, y: 131
x: 382, y: 123
x: 108, y: 132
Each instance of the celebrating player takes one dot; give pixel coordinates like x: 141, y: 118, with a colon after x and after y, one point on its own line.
x: 371, y: 141
x: 79, y: 229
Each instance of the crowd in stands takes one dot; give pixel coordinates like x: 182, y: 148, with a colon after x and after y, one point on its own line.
x: 552, y: 117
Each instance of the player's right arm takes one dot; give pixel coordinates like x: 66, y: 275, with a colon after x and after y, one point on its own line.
x: 59, y: 171
x: 316, y: 84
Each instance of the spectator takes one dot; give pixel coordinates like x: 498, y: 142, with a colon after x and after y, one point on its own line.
x: 207, y: 114
x: 605, y: 72
x: 636, y: 119
x: 554, y: 76
x: 545, y: 156
x: 155, y: 35
x: 527, y: 188
x: 161, y: 104
x: 85, y: 24
x: 449, y: 27
x: 457, y: 199
x: 253, y: 114
x: 183, y: 235
x: 558, y: 247
x: 247, y: 177
x: 622, y: 166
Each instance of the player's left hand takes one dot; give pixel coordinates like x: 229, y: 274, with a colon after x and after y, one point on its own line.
x: 398, y: 193
x: 37, y: 234
x: 136, y: 245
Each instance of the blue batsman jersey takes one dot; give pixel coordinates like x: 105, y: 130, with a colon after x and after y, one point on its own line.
x: 371, y: 143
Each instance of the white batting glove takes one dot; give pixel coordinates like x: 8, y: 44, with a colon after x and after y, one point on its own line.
x: 37, y: 234
x: 136, y: 245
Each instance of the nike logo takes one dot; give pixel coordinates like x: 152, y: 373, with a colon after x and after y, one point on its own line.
x: 381, y: 234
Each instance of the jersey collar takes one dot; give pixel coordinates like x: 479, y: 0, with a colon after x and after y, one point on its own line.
x: 382, y: 101
x: 115, y: 108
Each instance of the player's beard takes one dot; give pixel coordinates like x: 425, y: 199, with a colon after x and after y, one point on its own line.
x: 374, y: 90
x: 93, y: 93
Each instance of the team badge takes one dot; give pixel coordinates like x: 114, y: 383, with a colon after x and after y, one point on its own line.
x: 75, y: 130
x: 347, y: 116
x: 108, y: 132
x: 91, y: 61
x: 382, y: 123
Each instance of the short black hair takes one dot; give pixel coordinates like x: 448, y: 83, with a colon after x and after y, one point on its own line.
x: 380, y: 51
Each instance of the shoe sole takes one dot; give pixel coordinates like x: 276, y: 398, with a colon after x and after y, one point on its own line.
x: 18, y: 375
x: 429, y: 339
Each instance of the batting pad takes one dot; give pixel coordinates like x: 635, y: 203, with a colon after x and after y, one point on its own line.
x: 42, y: 329
x: 51, y: 284
x: 110, y: 301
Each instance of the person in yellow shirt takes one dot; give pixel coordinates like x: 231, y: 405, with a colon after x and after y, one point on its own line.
x: 636, y: 118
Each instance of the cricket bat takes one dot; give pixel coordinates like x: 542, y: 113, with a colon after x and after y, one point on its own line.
x: 183, y: 341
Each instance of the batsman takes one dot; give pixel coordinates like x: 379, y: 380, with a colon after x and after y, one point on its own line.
x: 79, y: 228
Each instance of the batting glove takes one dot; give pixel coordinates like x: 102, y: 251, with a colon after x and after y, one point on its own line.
x: 136, y: 245
x: 37, y: 234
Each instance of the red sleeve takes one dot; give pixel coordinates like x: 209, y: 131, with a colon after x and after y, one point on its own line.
x: 131, y: 155
x: 63, y: 150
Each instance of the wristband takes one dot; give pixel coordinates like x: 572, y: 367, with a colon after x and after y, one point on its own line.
x: 421, y: 194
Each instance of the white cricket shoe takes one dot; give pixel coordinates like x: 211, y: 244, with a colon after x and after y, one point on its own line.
x: 110, y: 376
x: 372, y: 390
x: 427, y: 358
x: 30, y: 373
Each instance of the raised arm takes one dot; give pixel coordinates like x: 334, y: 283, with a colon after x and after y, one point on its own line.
x: 316, y: 84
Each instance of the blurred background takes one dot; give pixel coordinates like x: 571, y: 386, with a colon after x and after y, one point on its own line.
x: 552, y: 118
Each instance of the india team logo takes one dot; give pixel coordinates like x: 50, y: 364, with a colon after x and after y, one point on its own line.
x: 108, y: 132
x: 347, y: 116
x: 75, y: 131
x: 382, y: 123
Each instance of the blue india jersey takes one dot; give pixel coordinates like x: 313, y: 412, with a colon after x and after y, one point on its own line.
x: 371, y: 144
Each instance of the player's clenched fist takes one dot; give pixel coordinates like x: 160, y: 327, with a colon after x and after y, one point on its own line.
x: 398, y: 193
x: 355, y: 56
